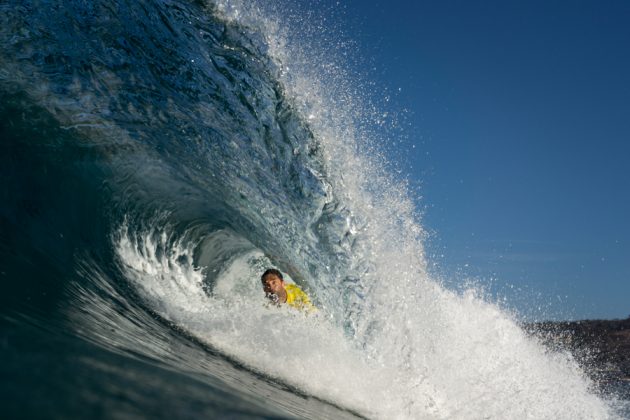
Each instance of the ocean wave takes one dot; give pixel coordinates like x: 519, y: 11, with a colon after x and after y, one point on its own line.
x: 158, y: 156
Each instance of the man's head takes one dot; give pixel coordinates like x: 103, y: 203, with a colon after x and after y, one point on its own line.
x: 273, y: 283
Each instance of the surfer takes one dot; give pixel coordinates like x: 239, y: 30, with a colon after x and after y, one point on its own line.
x: 279, y: 292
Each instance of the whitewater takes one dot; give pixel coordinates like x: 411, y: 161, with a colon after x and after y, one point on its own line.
x: 156, y: 158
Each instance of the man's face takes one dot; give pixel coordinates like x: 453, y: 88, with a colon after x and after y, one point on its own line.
x: 272, y: 285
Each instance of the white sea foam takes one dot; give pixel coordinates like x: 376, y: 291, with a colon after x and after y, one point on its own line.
x: 306, y: 351
x: 446, y: 357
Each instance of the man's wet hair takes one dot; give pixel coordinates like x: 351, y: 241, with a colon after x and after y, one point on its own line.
x: 271, y: 271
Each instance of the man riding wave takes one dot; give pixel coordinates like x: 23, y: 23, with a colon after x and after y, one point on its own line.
x: 279, y: 292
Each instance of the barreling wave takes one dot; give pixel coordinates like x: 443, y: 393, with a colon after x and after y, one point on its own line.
x: 158, y: 156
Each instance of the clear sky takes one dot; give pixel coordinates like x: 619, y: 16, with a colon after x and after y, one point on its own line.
x: 519, y: 138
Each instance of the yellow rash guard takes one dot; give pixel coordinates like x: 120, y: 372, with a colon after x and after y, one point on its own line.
x: 296, y: 298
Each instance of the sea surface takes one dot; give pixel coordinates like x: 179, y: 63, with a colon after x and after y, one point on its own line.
x: 155, y: 158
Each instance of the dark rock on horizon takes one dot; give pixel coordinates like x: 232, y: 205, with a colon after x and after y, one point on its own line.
x: 601, y: 347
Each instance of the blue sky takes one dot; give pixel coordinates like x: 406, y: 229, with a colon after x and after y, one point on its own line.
x: 518, y: 137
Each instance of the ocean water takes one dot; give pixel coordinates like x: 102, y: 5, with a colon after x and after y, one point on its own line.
x: 155, y: 158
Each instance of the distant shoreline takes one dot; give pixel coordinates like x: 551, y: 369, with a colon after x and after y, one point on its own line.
x: 601, y: 347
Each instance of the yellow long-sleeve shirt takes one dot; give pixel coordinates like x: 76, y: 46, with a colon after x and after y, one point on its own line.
x: 296, y: 298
